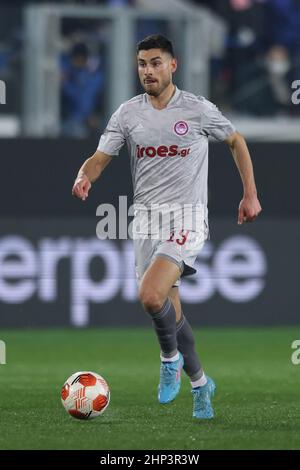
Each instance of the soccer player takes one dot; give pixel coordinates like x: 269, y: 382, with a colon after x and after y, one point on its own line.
x: 166, y: 130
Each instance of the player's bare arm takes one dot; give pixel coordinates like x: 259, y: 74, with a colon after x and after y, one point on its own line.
x: 90, y: 172
x: 249, y: 207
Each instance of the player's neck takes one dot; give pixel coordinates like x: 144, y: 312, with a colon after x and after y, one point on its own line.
x: 161, y: 101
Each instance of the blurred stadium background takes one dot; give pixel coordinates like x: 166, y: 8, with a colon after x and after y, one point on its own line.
x: 64, y: 68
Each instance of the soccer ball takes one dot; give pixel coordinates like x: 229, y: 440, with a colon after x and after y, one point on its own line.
x: 85, y: 395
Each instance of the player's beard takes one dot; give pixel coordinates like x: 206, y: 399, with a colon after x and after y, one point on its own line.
x: 164, y: 84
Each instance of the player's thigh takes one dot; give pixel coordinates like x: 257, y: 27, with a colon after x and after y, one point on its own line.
x: 159, y: 277
x: 174, y: 296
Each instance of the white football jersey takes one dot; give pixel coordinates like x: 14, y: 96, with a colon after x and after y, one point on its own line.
x: 168, y: 148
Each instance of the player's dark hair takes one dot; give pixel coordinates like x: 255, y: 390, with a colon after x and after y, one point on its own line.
x: 155, y: 41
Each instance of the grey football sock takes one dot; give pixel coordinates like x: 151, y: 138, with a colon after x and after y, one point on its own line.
x: 186, y: 345
x: 164, y: 323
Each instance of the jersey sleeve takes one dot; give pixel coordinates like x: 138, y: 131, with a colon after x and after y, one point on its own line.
x: 113, y: 137
x: 215, y: 124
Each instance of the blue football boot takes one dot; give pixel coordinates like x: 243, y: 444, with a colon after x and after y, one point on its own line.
x: 202, y: 408
x: 170, y: 380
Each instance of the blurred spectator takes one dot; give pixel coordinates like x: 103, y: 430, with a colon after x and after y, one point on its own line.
x: 82, y: 81
x: 278, y: 65
x: 241, y: 73
x: 282, y: 26
x: 262, y: 55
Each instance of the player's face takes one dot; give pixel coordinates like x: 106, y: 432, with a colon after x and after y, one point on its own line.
x: 155, y: 69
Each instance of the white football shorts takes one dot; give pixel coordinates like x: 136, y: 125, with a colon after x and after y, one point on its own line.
x: 182, y: 248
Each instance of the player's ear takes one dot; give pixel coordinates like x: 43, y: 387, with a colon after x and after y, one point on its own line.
x: 173, y: 64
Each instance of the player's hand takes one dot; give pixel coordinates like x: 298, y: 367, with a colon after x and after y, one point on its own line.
x: 81, y: 187
x: 249, y: 209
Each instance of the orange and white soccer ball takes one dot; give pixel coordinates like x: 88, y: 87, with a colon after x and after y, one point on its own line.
x: 85, y: 395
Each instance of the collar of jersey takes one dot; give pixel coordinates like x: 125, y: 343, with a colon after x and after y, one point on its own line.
x: 174, y: 98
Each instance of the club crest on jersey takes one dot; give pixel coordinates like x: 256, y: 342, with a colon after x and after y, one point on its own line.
x: 181, y: 128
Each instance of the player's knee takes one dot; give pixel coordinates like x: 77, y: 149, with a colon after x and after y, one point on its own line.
x: 152, y: 301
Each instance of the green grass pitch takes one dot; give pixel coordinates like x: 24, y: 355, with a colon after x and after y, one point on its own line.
x: 256, y: 404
